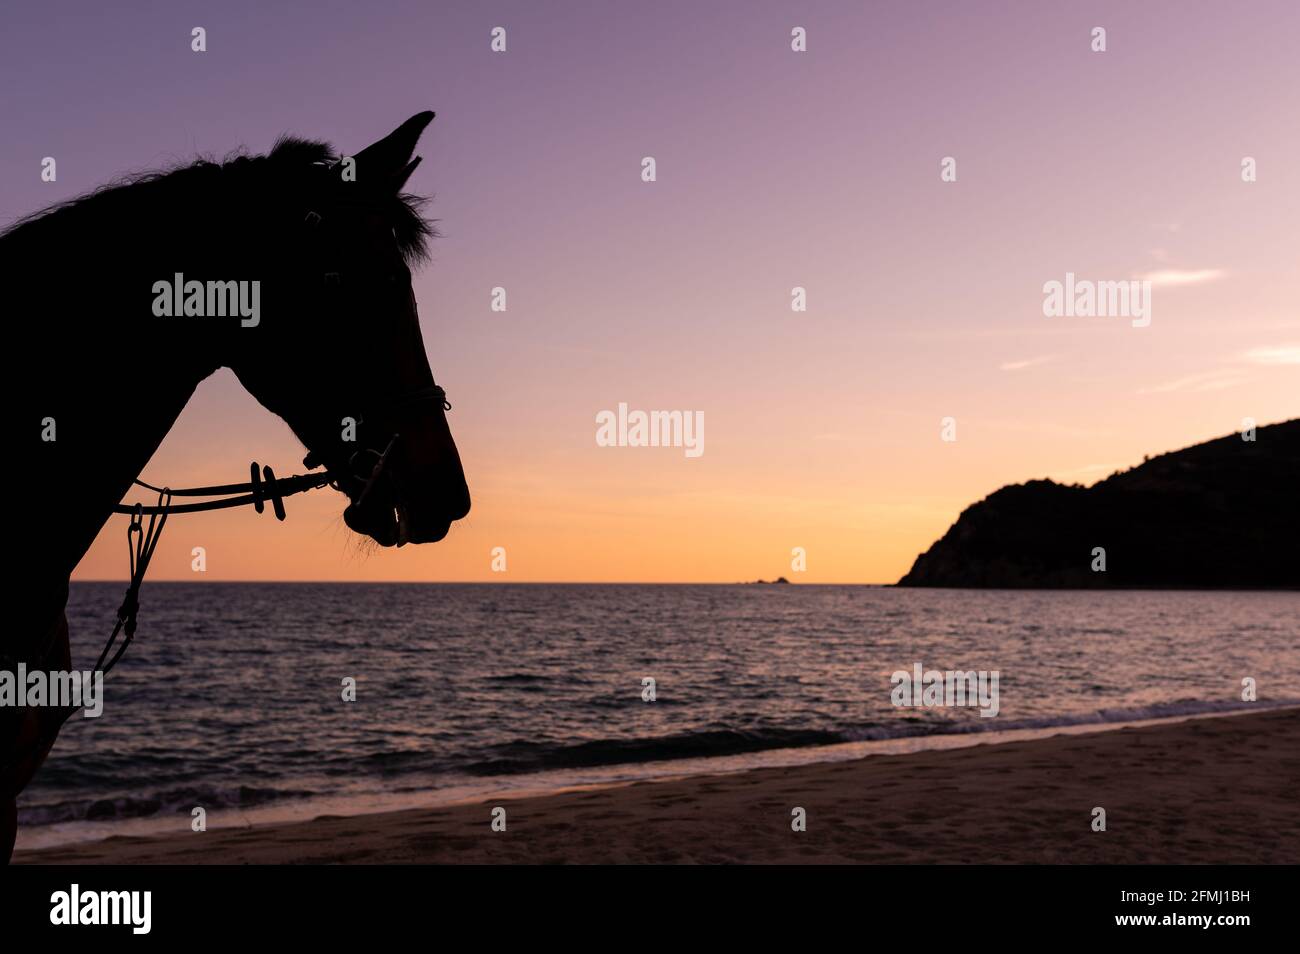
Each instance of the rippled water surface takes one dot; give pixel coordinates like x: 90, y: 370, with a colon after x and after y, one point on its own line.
x: 230, y: 696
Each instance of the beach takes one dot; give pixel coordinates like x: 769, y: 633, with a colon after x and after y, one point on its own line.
x: 1216, y: 789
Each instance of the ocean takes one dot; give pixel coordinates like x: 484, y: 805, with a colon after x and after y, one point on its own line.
x: 231, y: 696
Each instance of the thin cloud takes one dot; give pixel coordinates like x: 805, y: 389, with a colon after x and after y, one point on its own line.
x: 1026, y: 363
x: 1273, y: 354
x: 1046, y: 427
x: 1204, y: 381
x: 1221, y: 378
x: 1181, y: 276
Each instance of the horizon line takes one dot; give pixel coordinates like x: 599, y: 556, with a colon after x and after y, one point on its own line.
x: 498, y: 582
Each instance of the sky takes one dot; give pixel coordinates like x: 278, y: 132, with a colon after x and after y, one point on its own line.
x: 774, y: 169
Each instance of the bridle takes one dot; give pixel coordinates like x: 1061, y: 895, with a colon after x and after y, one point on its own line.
x: 262, y: 486
x: 142, y: 538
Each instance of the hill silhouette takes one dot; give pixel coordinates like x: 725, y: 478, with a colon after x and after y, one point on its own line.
x: 1223, y: 514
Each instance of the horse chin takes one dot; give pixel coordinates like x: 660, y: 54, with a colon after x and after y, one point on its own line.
x: 387, y: 526
x: 418, y: 530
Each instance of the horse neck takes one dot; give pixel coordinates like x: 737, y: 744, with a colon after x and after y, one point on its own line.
x: 89, y: 354
x: 110, y: 416
x: 117, y: 391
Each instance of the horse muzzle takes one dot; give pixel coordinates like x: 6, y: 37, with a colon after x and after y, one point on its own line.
x: 393, y: 522
x: 383, y: 508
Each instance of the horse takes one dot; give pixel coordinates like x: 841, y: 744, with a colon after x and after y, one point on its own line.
x: 310, y: 254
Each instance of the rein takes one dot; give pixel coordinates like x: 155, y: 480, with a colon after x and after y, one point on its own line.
x: 142, y: 538
x: 256, y: 491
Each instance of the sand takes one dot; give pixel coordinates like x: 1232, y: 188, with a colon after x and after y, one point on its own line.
x: 1205, y: 790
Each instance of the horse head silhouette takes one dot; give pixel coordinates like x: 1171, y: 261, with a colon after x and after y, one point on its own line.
x: 293, y: 270
x: 356, y: 387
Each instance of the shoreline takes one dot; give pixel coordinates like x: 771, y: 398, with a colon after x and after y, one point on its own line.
x: 1208, y: 788
x: 454, y: 790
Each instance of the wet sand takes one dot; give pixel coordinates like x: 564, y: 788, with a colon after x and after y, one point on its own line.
x: 1204, y: 790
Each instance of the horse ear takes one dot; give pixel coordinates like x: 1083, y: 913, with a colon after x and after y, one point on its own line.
x: 389, y: 160
x: 400, y: 179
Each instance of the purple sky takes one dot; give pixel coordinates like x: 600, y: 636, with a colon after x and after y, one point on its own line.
x: 775, y: 169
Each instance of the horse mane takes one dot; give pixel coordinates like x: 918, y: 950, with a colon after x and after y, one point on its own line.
x: 284, y: 170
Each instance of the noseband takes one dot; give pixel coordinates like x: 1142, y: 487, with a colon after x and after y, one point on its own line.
x: 357, y: 461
